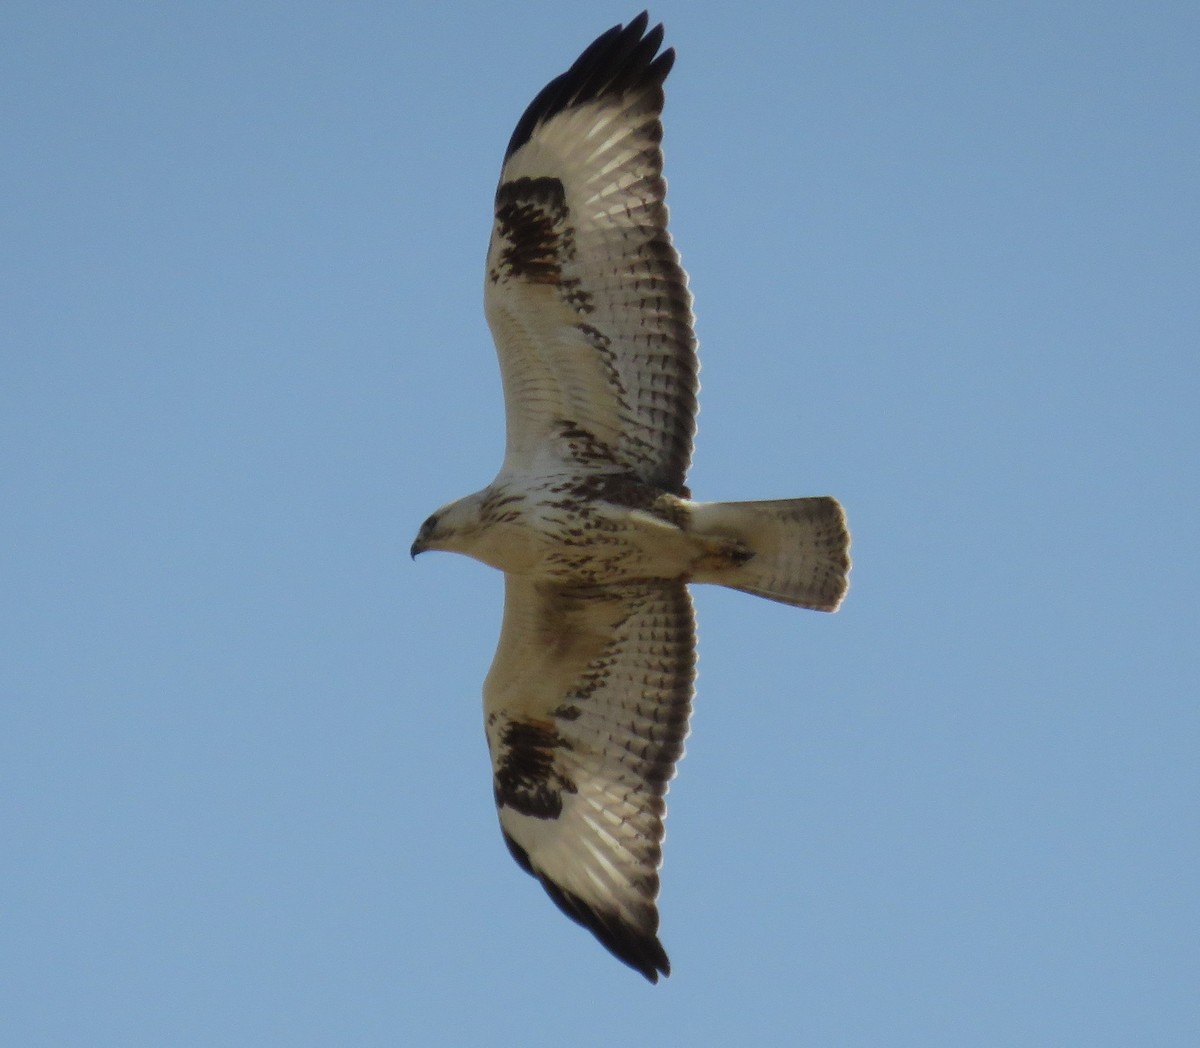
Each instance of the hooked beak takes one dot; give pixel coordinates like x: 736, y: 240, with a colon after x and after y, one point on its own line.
x: 417, y: 547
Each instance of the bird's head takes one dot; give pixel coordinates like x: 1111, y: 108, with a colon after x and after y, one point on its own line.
x: 451, y: 528
x: 426, y: 537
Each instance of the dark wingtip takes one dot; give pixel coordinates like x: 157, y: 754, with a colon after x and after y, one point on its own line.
x: 638, y: 948
x: 619, y: 60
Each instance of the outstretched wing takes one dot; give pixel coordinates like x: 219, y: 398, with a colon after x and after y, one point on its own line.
x: 584, y: 293
x: 586, y: 708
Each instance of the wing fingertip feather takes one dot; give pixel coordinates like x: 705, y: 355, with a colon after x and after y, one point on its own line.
x: 621, y: 59
x: 635, y: 945
x: 638, y: 947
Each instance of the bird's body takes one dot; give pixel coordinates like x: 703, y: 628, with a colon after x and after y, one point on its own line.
x: 597, y: 529
x: 587, y: 702
x: 574, y: 529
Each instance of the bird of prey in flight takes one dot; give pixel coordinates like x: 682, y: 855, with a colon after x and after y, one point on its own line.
x: 590, y: 518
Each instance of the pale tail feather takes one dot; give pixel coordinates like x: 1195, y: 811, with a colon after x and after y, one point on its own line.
x: 800, y: 549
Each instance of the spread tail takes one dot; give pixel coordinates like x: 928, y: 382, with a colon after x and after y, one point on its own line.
x: 792, y: 550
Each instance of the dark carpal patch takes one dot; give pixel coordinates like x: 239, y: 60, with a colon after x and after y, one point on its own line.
x: 526, y: 779
x: 532, y: 222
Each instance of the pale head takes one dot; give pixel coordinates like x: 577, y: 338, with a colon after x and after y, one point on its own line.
x: 454, y: 528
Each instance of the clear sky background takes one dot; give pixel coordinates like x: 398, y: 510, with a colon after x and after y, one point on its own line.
x: 946, y: 267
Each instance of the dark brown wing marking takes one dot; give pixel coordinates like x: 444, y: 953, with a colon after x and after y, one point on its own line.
x: 526, y: 778
x: 531, y: 219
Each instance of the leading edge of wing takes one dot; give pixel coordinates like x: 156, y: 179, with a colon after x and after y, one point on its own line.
x: 622, y: 59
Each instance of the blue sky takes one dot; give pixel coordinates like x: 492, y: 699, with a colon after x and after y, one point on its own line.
x: 945, y: 264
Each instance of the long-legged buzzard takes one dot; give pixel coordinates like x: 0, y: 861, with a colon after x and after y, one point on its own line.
x: 587, y: 702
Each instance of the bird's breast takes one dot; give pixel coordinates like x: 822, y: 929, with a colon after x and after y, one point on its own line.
x: 585, y: 530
